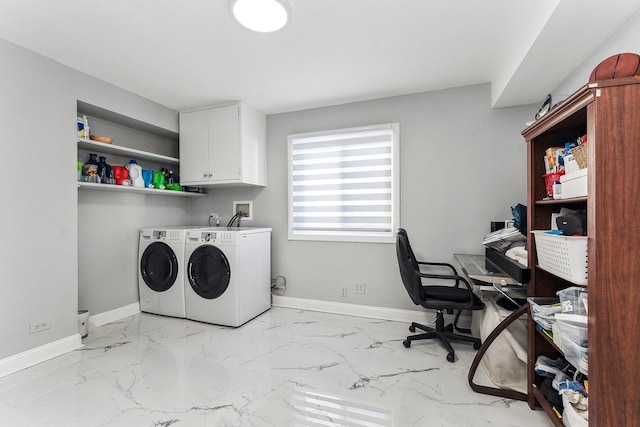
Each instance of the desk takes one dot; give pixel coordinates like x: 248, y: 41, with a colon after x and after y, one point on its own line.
x: 509, y: 335
x: 485, y: 276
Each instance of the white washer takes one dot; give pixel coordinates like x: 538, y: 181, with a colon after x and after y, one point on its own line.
x: 228, y: 274
x: 160, y: 270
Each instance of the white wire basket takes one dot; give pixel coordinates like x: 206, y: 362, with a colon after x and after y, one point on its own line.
x: 564, y: 256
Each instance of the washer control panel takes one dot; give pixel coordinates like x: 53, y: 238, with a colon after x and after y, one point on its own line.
x: 207, y: 236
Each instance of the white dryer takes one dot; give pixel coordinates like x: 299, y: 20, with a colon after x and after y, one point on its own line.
x: 228, y: 274
x: 160, y: 270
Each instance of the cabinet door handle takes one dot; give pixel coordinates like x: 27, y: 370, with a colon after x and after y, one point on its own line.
x: 210, y: 174
x: 204, y: 175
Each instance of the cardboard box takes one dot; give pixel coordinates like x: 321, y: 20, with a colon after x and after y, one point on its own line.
x: 574, y: 184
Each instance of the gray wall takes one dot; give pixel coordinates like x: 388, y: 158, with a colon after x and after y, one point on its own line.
x: 625, y: 39
x: 462, y: 165
x: 108, y: 223
x: 108, y: 235
x: 39, y: 255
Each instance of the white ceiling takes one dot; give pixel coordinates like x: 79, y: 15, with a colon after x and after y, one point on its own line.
x: 190, y: 53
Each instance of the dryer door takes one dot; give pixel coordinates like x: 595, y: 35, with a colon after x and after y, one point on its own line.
x: 159, y: 266
x: 208, y: 271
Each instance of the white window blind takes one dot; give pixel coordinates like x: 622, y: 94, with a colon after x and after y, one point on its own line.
x: 343, y: 184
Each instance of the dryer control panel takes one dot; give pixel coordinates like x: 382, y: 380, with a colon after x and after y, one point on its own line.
x: 209, y: 236
x: 159, y: 234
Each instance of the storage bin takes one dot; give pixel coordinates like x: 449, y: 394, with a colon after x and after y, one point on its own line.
x: 574, y: 353
x: 570, y: 417
x: 564, y: 256
x: 574, y: 184
x: 570, y: 300
x: 549, y: 179
x: 572, y: 332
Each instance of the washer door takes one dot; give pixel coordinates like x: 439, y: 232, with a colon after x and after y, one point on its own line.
x: 208, y: 271
x: 159, y: 266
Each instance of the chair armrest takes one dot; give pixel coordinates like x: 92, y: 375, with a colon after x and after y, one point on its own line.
x: 440, y: 264
x: 457, y: 278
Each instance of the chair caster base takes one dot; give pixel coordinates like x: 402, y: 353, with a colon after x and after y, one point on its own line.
x: 412, y: 328
x: 476, y: 345
x: 406, y: 343
x: 450, y: 357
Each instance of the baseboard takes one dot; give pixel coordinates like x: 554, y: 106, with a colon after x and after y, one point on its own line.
x: 385, y: 313
x: 28, y: 358
x: 114, y: 315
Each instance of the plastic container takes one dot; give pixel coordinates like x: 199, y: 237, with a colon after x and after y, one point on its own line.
x: 158, y: 180
x: 135, y: 174
x: 583, y: 299
x: 90, y: 169
x: 105, y: 171
x: 557, y: 335
x: 575, y: 354
x: 81, y: 131
x: 147, y: 176
x: 87, y: 130
x: 578, y: 334
x: 557, y: 190
x: 570, y: 300
x: 564, y: 256
x: 574, y: 184
x: 121, y: 175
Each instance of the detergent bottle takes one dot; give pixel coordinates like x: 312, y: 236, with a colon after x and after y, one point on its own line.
x: 158, y: 180
x: 135, y: 174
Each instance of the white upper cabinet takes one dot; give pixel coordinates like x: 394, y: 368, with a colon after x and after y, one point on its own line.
x: 223, y: 146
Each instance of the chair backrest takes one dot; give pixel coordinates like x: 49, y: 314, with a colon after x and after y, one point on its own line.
x: 408, y: 267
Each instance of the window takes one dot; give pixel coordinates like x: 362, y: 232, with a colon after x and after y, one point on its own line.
x: 344, y: 184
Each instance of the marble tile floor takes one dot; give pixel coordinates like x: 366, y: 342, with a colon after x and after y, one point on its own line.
x: 285, y: 368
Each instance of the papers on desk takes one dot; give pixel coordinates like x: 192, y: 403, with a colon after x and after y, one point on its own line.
x: 502, y: 239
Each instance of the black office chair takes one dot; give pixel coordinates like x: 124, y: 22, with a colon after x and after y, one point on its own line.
x: 438, y: 297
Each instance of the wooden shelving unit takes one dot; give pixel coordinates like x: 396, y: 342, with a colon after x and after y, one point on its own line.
x: 609, y: 113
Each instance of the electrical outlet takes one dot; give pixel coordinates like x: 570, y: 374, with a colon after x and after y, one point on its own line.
x: 216, y: 219
x: 358, y: 288
x: 343, y: 292
x: 40, y: 326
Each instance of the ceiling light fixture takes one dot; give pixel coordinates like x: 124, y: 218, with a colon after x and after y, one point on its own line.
x: 262, y: 16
